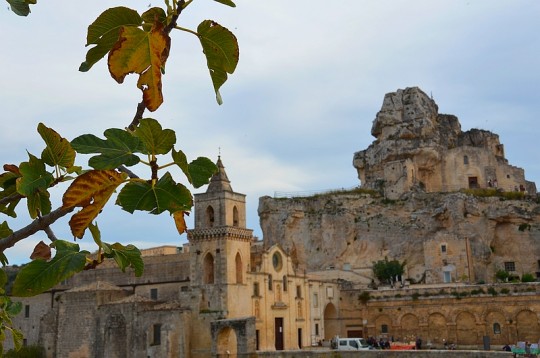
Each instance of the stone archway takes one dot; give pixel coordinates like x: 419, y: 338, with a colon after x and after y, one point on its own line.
x: 466, y: 329
x: 437, y: 329
x: 409, y: 328
x: 227, y: 343
x: 331, y: 324
x: 496, y: 327
x: 233, y: 337
x: 527, y: 326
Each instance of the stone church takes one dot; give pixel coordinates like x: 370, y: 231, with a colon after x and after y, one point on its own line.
x: 223, y: 293
x: 311, y: 278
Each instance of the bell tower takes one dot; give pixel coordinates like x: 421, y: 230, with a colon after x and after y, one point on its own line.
x: 219, y: 244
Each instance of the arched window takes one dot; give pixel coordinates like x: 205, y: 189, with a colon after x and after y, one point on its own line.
x: 496, y: 328
x: 238, y: 263
x: 235, y: 216
x: 209, y: 216
x: 208, y: 269
x: 465, y: 159
x: 270, y: 283
x: 284, y: 283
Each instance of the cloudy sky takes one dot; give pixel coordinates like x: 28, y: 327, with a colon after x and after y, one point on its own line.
x: 312, y: 76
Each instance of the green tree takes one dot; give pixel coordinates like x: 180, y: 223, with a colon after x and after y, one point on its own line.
x: 387, y: 271
x: 502, y: 275
x: 133, y: 43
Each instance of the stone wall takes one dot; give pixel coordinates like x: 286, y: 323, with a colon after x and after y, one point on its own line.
x: 385, y: 354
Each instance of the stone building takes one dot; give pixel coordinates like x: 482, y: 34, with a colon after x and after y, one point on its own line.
x: 222, y: 293
x: 311, y: 277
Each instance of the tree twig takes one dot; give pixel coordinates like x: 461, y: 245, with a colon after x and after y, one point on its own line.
x: 11, y: 198
x: 40, y: 223
x: 50, y: 233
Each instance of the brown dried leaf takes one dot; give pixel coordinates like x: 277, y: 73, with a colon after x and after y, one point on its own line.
x: 180, y: 222
x: 91, y: 191
x: 41, y: 251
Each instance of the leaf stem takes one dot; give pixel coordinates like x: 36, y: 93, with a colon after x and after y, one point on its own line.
x: 166, y: 165
x: 186, y: 30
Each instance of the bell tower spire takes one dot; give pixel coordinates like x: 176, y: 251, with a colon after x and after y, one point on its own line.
x: 219, y: 181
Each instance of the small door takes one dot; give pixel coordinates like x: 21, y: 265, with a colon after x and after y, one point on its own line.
x: 278, y: 328
x: 473, y: 182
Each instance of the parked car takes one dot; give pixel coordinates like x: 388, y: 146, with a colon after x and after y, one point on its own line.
x: 352, y: 344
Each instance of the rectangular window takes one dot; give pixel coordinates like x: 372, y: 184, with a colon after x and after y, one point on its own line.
x: 156, y: 334
x: 384, y: 328
x: 153, y: 293
x: 298, y: 291
x: 443, y: 248
x: 284, y: 283
x: 330, y: 292
x: 315, y: 300
x: 316, y: 329
x: 184, y: 289
x: 510, y: 266
x: 256, y: 289
x: 447, y: 276
x: 26, y: 311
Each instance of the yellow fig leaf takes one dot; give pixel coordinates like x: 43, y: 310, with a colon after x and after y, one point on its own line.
x: 180, y: 222
x: 144, y: 53
x: 91, y: 191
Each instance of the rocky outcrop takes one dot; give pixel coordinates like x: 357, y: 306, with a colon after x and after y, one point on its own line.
x: 354, y: 230
x: 415, y: 210
x: 415, y: 145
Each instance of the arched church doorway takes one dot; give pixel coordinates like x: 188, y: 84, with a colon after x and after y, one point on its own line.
x: 331, y: 324
x: 227, y: 343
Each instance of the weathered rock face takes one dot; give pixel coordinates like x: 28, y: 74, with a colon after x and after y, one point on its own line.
x: 479, y: 234
x: 418, y: 163
x: 415, y: 145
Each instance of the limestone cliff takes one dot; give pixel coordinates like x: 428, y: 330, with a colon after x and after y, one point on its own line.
x: 412, y: 205
x: 479, y: 234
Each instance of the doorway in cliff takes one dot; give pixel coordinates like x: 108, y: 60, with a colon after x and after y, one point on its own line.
x: 473, y: 183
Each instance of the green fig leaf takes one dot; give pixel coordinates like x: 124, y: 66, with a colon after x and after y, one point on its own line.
x: 201, y: 170
x: 58, y: 151
x: 220, y: 47
x: 116, y: 150
x: 39, y: 276
x: 155, y: 139
x: 165, y: 195
x: 34, y: 177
